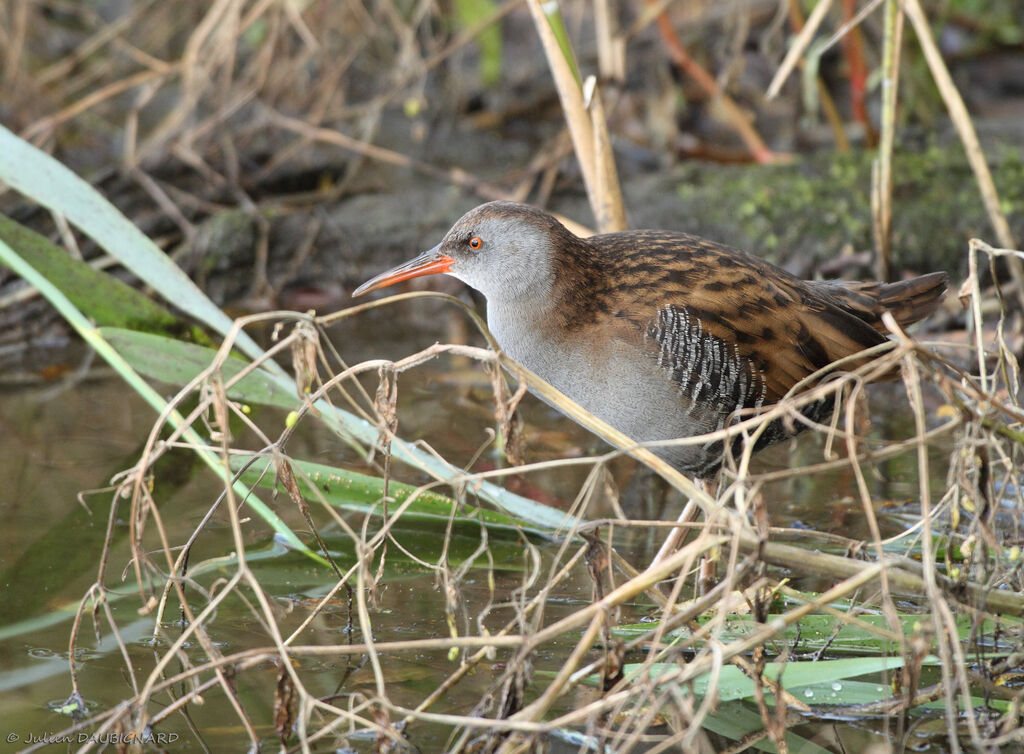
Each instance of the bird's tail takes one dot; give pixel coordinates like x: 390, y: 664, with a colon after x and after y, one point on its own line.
x: 907, y: 300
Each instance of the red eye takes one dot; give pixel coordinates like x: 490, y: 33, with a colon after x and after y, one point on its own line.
x: 476, y: 243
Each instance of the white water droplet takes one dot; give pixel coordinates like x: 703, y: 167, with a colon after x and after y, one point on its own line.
x: 837, y: 686
x: 808, y: 693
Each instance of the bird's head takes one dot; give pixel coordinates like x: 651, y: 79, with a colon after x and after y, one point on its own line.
x: 503, y: 249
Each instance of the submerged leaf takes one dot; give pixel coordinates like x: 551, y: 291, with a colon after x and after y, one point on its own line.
x: 733, y: 683
x: 867, y: 635
x: 178, y: 363
x: 353, y: 491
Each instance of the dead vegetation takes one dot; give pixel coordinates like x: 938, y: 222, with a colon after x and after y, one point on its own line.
x: 215, y: 112
x: 958, y: 562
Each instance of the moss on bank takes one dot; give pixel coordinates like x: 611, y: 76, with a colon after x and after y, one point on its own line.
x: 803, y: 213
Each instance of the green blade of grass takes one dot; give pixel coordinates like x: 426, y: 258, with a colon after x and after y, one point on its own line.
x: 866, y: 636
x: 178, y: 363
x: 733, y: 683
x: 553, y: 14
x: 93, y: 337
x: 736, y: 721
x: 102, y: 298
x: 42, y: 178
x: 353, y: 491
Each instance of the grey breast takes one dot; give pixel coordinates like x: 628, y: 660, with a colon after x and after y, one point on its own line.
x: 642, y: 392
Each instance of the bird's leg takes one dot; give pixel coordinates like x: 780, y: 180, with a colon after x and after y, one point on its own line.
x: 677, y: 537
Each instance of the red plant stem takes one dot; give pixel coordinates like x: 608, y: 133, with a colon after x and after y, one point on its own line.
x: 677, y: 51
x: 853, y: 49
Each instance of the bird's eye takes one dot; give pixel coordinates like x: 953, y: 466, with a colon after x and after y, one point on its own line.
x: 476, y: 243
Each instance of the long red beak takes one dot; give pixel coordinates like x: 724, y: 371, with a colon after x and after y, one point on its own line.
x: 427, y: 263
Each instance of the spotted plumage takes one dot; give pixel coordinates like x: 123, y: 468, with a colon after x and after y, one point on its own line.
x: 661, y: 334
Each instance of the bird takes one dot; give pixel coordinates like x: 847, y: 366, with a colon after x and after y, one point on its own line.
x: 661, y: 334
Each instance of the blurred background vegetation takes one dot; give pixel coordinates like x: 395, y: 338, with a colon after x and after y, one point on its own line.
x: 199, y: 120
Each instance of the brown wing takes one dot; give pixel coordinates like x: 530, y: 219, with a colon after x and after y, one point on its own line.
x: 713, y: 310
x: 907, y: 300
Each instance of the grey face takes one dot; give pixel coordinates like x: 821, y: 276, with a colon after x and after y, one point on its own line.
x: 502, y: 249
x: 497, y: 249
